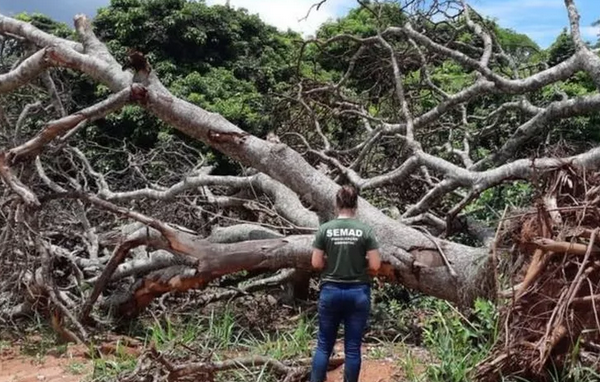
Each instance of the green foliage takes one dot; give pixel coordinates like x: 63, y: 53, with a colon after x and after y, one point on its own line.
x: 459, y: 344
x: 577, y: 373
x: 519, y: 46
x: 220, y: 58
x: 451, y: 77
x: 391, y: 312
x: 580, y: 132
x: 561, y: 49
x: 489, y: 205
x: 335, y: 57
x: 220, y: 91
x: 47, y: 24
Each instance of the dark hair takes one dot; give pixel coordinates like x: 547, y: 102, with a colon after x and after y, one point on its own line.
x: 346, y: 197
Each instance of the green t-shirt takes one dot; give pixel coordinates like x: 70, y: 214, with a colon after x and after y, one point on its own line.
x: 345, y: 242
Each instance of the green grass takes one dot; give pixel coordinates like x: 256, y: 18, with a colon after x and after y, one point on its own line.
x: 215, y: 331
x: 110, y: 369
x: 76, y: 368
x: 39, y: 340
x: 457, y: 343
x: 283, y: 344
x: 412, y: 367
x: 4, y: 344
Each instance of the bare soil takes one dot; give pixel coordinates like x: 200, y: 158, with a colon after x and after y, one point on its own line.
x: 72, y: 366
x: 371, y: 371
x: 383, y: 370
x: 59, y: 368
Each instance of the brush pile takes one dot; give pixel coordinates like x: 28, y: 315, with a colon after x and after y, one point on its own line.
x: 550, y: 323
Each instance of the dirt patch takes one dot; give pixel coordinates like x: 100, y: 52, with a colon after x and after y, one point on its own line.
x: 72, y: 366
x: 380, y: 370
x: 370, y: 371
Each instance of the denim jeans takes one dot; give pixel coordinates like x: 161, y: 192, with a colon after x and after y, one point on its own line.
x: 350, y: 304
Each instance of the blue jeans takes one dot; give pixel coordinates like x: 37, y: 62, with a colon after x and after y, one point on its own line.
x: 339, y: 302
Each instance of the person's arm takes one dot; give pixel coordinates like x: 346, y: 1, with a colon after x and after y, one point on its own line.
x: 373, y: 255
x: 318, y: 255
x: 374, y: 259
x: 318, y: 259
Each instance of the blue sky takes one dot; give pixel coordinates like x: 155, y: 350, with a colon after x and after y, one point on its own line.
x: 542, y: 20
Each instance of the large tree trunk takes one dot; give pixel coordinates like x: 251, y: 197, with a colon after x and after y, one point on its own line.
x: 420, y: 268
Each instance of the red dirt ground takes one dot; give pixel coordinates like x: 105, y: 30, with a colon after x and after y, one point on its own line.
x: 15, y: 367
x: 371, y: 371
x: 52, y: 368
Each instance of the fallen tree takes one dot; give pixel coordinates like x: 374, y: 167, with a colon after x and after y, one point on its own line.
x: 300, y: 194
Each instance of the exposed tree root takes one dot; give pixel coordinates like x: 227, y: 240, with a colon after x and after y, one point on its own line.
x: 554, y: 307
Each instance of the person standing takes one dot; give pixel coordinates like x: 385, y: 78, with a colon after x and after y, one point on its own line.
x: 346, y: 251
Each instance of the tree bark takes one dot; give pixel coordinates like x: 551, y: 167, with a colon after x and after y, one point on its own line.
x: 213, y: 260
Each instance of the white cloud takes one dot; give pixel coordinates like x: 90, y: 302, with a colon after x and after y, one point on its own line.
x: 285, y: 14
x: 590, y: 33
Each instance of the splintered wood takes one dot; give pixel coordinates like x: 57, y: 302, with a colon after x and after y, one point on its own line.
x: 550, y: 321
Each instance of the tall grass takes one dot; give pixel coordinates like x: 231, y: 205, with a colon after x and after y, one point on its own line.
x: 283, y: 344
x: 457, y: 343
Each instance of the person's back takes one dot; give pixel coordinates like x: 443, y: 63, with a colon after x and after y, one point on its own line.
x: 345, y: 249
x: 346, y: 242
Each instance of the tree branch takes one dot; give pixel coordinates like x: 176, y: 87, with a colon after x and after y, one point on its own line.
x: 26, y: 195
x: 63, y: 125
x: 31, y: 33
x: 25, y: 72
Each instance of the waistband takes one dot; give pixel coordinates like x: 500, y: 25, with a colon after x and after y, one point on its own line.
x: 342, y: 285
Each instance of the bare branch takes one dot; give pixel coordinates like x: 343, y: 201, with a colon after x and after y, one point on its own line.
x: 23, y: 116
x: 63, y: 125
x: 279, y: 278
x: 560, y: 109
x: 487, y: 40
x: 315, y: 119
x: 49, y: 83
x: 141, y: 237
x: 91, y: 44
x: 401, y: 173
x: 285, y: 201
x: 52, y: 291
x: 316, y: 5
x: 31, y: 33
x: 574, y: 24
x: 42, y: 174
x: 15, y: 184
x: 25, y: 72
x: 400, y: 90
